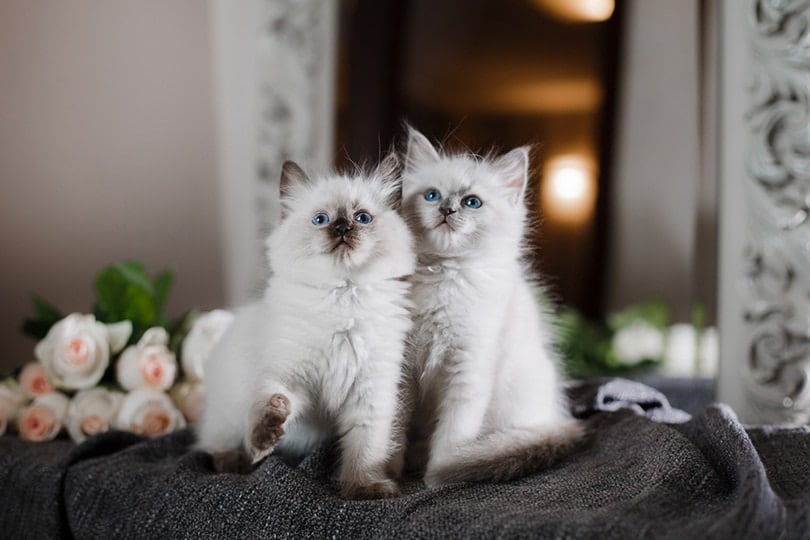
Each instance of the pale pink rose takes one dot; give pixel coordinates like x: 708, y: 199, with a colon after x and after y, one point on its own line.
x: 34, y: 381
x: 42, y: 419
x: 77, y: 350
x: 149, y: 364
x: 205, y: 333
x: 149, y: 412
x: 92, y: 412
x: 12, y: 398
x: 189, y: 397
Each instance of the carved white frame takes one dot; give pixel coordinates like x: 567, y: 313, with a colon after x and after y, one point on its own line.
x: 765, y: 211
x: 274, y: 72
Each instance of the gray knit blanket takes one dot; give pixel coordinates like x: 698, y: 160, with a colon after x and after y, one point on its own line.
x: 647, y: 470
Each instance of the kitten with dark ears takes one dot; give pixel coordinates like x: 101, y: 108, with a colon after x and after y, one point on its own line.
x: 484, y: 381
x: 321, y: 355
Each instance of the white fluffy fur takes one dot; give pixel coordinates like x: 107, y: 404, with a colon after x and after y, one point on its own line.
x: 329, y: 333
x: 490, y: 404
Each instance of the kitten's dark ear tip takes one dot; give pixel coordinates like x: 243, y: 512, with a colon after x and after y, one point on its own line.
x: 291, y: 167
x: 291, y: 175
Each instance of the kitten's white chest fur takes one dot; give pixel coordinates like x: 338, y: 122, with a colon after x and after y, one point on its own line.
x: 453, y: 309
x: 356, y: 319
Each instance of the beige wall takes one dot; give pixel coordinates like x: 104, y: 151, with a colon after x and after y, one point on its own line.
x: 107, y: 152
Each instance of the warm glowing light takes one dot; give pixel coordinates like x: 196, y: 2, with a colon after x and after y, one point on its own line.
x: 569, y: 183
x: 578, y: 10
x: 569, y: 189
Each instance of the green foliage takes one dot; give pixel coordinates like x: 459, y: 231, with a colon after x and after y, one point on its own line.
x: 124, y: 291
x: 46, y: 316
x: 586, y: 345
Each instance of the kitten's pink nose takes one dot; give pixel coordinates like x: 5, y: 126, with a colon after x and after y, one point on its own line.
x: 447, y: 210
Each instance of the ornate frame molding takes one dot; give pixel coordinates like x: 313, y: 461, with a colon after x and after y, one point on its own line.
x: 776, y: 308
x: 274, y: 70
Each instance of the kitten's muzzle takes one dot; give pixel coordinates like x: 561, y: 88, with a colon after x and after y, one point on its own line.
x: 447, y: 210
x: 341, y: 227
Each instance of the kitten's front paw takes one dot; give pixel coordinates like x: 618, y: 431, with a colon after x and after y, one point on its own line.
x: 436, y: 477
x: 384, y: 489
x: 439, y: 472
x: 268, y: 428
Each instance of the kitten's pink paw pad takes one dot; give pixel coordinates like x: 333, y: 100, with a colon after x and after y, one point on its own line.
x: 269, y: 429
x: 280, y: 402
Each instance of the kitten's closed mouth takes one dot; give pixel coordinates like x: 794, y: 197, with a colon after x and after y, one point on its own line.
x: 342, y: 245
x: 445, y: 222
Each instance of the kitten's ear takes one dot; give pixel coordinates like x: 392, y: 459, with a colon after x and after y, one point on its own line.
x: 512, y: 169
x: 291, y: 175
x: 419, y: 149
x: 388, y: 172
x: 388, y: 169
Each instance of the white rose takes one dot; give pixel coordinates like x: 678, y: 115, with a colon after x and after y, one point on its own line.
x: 12, y: 398
x: 708, y: 353
x: 206, y: 331
x: 148, y: 364
x: 189, y: 396
x: 637, y: 342
x: 149, y: 412
x: 42, y: 420
x: 680, y: 355
x: 91, y: 412
x: 77, y: 349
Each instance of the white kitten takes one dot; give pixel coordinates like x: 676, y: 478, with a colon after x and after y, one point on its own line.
x: 489, y: 403
x: 321, y: 354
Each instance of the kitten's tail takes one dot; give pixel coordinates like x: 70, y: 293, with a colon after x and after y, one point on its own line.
x: 508, y: 454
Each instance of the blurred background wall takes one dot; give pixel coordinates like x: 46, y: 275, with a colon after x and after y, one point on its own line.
x: 107, y: 153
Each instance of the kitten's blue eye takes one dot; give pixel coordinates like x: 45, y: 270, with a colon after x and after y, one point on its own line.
x: 433, y: 194
x: 363, y: 217
x: 472, y: 201
x: 321, y: 218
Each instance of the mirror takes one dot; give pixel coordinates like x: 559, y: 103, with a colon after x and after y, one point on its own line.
x: 616, y: 99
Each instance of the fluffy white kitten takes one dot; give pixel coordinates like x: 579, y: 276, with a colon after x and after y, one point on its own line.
x: 321, y: 354
x: 489, y: 404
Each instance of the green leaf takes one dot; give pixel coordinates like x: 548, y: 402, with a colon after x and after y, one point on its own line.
x: 125, y: 292
x: 45, y: 311
x: 36, y: 328
x: 698, y: 316
x: 163, y: 285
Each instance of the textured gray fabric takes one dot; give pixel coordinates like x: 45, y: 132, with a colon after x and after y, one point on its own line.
x: 31, y: 488
x: 708, y: 477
